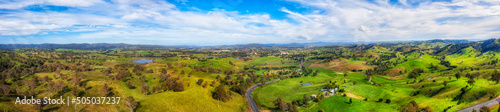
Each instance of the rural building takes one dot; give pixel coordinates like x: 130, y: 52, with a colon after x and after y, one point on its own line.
x: 313, y: 97
x: 283, y: 53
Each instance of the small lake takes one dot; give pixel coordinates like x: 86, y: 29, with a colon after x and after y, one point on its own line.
x: 306, y: 84
x: 143, y: 61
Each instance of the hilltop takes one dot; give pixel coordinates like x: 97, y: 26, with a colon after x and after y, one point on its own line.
x: 481, y: 46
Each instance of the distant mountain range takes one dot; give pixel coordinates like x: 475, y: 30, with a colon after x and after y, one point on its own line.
x: 76, y: 46
x: 122, y: 45
x: 446, y: 42
x: 481, y: 46
x: 443, y: 41
x: 316, y: 44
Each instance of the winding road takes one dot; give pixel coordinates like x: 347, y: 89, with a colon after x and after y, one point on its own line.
x: 249, y: 96
x: 300, y: 67
x: 488, y: 103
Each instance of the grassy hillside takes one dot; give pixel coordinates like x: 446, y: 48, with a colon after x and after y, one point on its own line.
x: 436, y: 75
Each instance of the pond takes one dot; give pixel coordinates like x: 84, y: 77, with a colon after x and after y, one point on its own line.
x: 306, y: 84
x: 143, y: 61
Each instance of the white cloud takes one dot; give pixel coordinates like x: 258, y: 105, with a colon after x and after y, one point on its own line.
x: 334, y: 20
x: 396, y: 23
x: 17, y: 4
x: 403, y: 2
x: 73, y: 3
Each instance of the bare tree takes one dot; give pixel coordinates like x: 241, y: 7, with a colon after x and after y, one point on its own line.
x: 205, y: 85
x: 59, y: 85
x: 83, y: 85
x: 45, y: 79
x: 143, y: 78
x: 105, y: 90
x: 145, y: 89
x: 32, y: 85
x: 76, y: 79
x: 5, y: 90
x: 58, y: 72
x: 26, y: 82
x: 213, y: 83
x: 75, y: 90
x: 131, y: 103
x: 50, y: 87
x: 129, y: 85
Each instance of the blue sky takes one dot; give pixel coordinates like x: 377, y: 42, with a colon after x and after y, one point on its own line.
x: 226, y: 22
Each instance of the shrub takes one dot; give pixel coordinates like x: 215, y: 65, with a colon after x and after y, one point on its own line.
x: 129, y: 85
x: 341, y: 90
x: 178, y: 86
x: 199, y: 82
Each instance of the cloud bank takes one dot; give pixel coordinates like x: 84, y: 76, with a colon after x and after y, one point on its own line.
x: 163, y: 23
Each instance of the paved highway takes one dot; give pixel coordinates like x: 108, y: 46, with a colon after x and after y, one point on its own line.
x: 249, y: 96
x: 250, y: 100
x: 489, y: 103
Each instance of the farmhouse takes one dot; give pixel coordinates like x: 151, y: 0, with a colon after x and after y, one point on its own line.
x: 313, y: 96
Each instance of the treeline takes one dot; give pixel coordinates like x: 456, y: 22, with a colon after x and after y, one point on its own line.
x: 481, y: 46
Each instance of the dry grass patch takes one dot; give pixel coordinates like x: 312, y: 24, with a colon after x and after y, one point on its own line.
x: 354, y: 96
x: 341, y: 65
x: 394, y: 72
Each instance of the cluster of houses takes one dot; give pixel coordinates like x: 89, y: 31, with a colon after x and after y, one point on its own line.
x: 283, y: 53
x: 326, y: 92
x: 247, y: 52
x: 222, y: 50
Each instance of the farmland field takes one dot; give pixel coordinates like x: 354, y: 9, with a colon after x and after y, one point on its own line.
x: 378, y: 78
